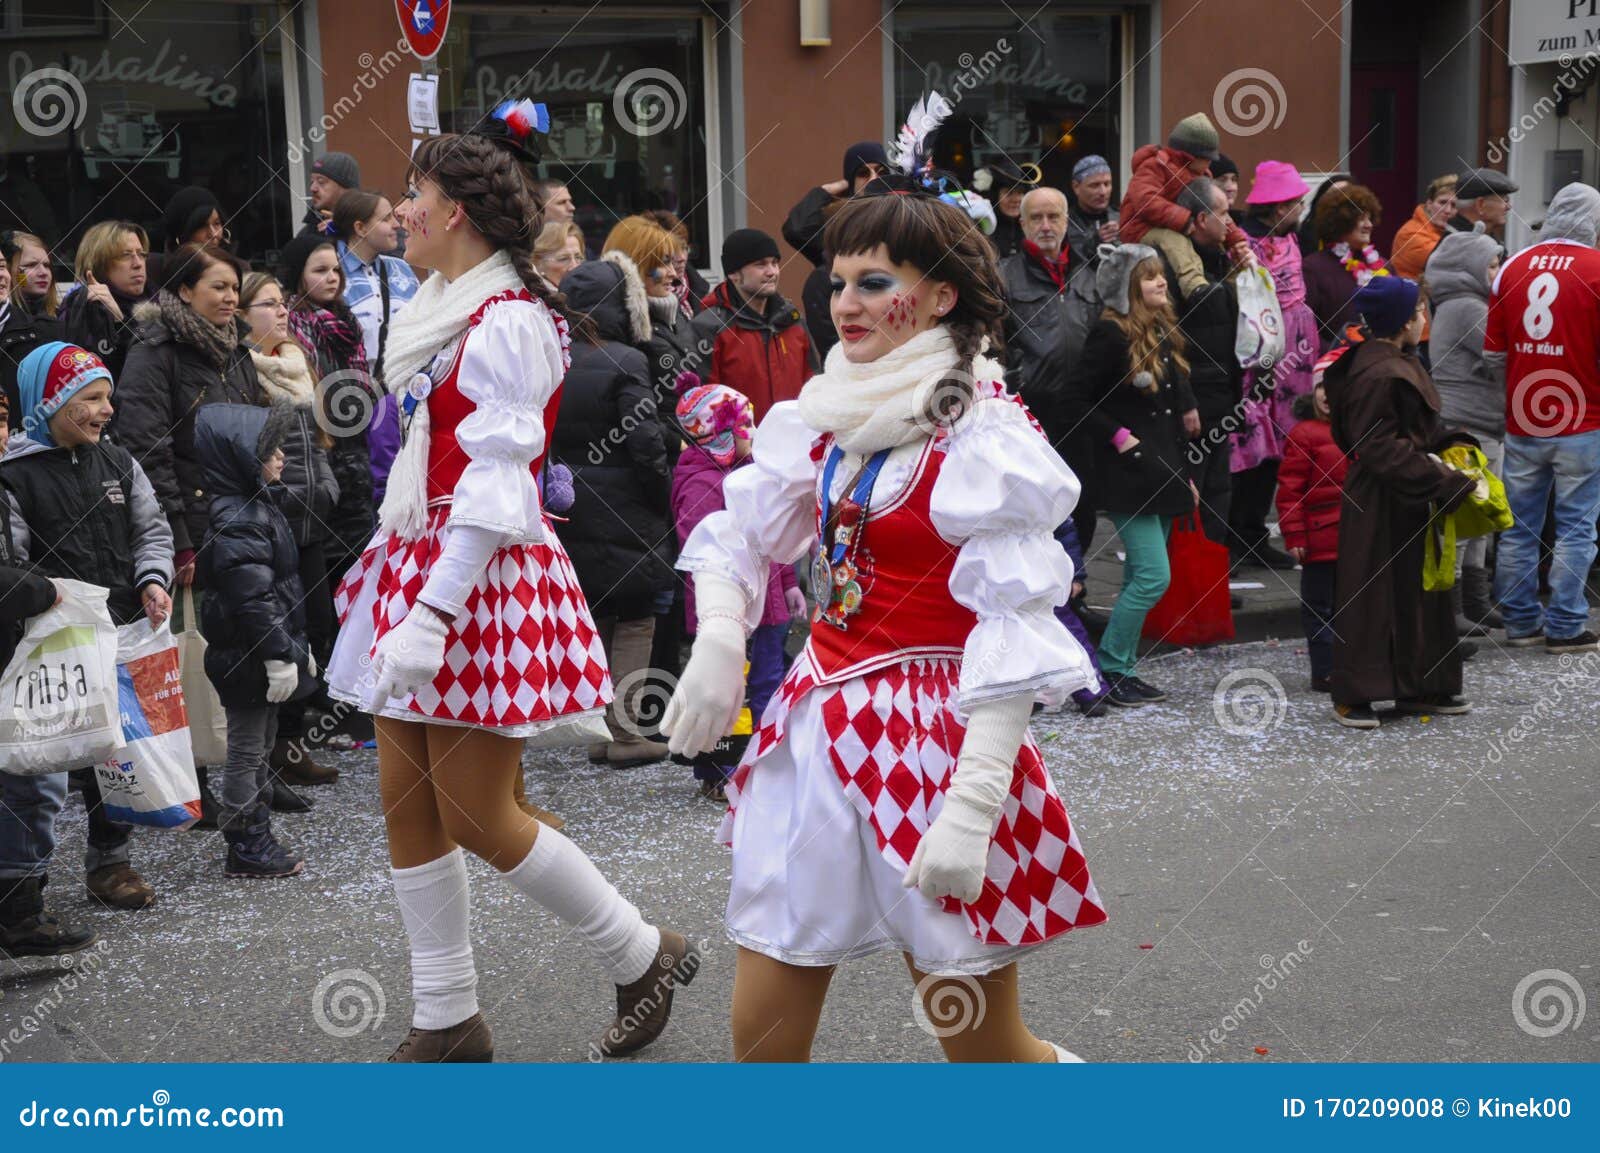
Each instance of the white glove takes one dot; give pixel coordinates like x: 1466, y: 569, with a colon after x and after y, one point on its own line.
x: 282, y: 679
x: 706, y: 703
x: 311, y: 665
x: 410, y: 655
x: 953, y: 854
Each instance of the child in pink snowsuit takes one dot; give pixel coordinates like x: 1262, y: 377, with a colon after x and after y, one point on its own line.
x: 1273, y: 213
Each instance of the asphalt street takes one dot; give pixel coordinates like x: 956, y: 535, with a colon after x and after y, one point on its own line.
x: 1279, y: 889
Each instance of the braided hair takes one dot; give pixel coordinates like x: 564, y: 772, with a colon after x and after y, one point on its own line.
x: 490, y: 178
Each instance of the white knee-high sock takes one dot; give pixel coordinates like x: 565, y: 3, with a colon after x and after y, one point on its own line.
x: 436, y: 907
x: 558, y: 875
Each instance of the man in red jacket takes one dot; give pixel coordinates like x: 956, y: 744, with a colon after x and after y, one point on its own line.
x: 756, y: 342
x: 1159, y: 174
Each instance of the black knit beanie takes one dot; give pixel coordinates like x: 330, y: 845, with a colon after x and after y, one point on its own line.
x: 746, y: 246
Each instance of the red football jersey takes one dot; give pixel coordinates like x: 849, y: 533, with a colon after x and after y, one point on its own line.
x: 1544, y: 314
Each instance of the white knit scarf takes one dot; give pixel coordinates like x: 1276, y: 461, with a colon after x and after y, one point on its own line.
x: 883, y: 403
x: 437, y: 315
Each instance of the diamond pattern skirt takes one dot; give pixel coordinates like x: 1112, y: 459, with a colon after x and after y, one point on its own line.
x: 522, y: 657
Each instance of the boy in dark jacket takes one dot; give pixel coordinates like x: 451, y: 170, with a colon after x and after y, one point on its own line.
x: 1310, y: 487
x: 80, y: 508
x: 26, y: 930
x: 256, y: 651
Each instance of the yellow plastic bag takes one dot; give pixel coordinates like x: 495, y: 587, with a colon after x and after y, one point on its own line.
x: 1475, y: 516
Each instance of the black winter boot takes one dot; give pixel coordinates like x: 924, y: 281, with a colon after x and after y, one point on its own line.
x: 1477, y: 598
x: 26, y: 930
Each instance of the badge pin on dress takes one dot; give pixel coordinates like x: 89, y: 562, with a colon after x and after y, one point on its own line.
x: 417, y: 390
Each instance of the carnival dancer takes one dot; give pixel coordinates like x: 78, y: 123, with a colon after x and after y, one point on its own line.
x: 464, y: 629
x: 892, y: 797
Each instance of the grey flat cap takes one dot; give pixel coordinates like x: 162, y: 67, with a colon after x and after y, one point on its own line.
x: 1476, y: 182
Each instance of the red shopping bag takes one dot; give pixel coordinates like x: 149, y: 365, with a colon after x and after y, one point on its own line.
x: 1195, y: 609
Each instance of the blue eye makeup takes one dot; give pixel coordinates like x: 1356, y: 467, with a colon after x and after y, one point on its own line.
x: 876, y: 282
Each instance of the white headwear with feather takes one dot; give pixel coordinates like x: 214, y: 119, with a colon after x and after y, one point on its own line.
x: 913, y: 148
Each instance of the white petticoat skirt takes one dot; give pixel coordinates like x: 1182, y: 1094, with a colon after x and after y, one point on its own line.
x: 811, y: 886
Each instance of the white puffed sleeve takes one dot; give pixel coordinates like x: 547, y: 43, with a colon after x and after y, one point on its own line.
x: 510, y: 367
x: 769, y: 511
x: 1000, y: 494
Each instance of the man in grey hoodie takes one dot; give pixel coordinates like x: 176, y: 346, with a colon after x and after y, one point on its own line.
x: 1544, y: 328
x: 1473, y: 391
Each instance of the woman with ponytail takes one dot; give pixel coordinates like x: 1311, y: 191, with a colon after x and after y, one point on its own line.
x: 892, y: 797
x: 464, y: 628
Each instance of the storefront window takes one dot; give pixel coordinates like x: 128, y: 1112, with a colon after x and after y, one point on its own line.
x: 122, y: 102
x: 626, y: 101
x: 1041, y: 90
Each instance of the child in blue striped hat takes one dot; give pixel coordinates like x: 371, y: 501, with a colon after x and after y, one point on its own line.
x: 81, y: 509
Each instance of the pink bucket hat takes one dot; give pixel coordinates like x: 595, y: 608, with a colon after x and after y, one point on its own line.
x: 1275, y: 182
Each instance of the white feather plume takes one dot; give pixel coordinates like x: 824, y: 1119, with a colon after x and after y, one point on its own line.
x: 910, y: 150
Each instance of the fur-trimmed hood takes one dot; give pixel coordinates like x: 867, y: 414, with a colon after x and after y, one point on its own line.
x: 611, y: 293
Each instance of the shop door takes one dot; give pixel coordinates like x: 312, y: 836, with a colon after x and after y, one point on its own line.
x: 1383, y: 141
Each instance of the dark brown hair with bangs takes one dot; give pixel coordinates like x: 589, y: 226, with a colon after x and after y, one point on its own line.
x: 944, y: 244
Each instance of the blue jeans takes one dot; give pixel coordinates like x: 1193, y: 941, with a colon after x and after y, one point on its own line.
x: 28, y: 808
x: 1533, y: 466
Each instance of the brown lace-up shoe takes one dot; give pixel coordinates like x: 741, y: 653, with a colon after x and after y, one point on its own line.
x: 469, y: 1041
x: 121, y: 887
x: 644, y: 1006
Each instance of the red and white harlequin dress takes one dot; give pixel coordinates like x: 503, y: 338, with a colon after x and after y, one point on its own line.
x: 523, y: 656
x: 958, y: 572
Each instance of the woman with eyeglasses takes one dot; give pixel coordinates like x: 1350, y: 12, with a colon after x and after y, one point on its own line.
x: 113, y: 275
x: 558, y: 250
x: 188, y: 353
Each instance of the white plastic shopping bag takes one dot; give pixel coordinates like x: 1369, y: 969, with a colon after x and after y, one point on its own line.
x: 151, y: 781
x: 58, y: 702
x: 1259, y: 342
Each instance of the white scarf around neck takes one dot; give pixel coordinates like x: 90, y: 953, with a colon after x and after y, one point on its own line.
x: 437, y: 315
x: 883, y: 403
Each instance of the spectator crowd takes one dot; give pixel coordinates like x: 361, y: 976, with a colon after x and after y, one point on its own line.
x: 193, y: 426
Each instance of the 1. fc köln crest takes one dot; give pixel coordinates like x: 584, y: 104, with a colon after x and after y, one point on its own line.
x: 424, y: 22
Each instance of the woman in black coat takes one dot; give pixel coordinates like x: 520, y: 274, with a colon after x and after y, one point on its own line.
x: 1134, y: 397
x: 619, y: 531
x: 111, y: 268
x: 189, y: 354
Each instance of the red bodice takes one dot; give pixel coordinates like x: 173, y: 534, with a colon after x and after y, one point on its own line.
x: 903, y: 568
x: 448, y: 407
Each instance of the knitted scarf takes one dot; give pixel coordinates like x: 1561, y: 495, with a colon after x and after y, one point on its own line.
x: 437, y: 315
x: 285, y: 373
x: 187, y: 326
x: 883, y: 403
